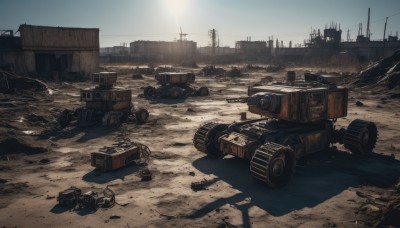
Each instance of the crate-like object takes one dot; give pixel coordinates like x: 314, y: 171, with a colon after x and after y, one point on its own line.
x: 104, y: 78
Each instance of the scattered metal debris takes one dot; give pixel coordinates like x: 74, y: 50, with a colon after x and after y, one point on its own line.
x: 359, y: 103
x: 114, y: 216
x: 74, y: 197
x: 200, y: 185
x: 145, y: 174
x: 10, y: 83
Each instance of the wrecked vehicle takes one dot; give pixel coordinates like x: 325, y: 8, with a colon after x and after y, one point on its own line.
x: 234, y: 72
x: 212, y: 70
x: 174, y: 85
x: 73, y: 197
x: 104, y: 103
x: 118, y: 156
x: 300, y: 121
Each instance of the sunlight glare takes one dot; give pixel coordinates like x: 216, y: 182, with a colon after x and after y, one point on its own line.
x: 176, y: 6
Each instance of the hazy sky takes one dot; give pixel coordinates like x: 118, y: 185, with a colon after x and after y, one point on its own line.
x: 129, y: 20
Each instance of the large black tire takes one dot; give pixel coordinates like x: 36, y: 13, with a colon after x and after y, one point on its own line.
x: 273, y: 164
x: 149, y: 91
x: 360, y: 136
x: 206, y: 139
x: 142, y: 115
x: 202, y: 91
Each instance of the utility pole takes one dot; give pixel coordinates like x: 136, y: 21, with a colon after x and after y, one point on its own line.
x: 348, y: 35
x: 181, y: 47
x: 213, y: 35
x: 181, y: 35
x: 368, y: 34
x: 384, y: 31
x: 384, y: 41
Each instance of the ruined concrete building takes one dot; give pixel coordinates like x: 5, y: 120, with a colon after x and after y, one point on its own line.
x: 163, y: 50
x: 251, y: 49
x: 51, y: 51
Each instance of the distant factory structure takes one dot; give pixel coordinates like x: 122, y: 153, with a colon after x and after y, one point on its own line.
x: 50, y: 51
x: 251, y: 50
x: 143, y: 50
x: 320, y: 47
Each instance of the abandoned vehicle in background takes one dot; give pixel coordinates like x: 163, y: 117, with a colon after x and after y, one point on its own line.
x: 105, y: 103
x: 301, y: 118
x: 212, y: 70
x: 174, y: 85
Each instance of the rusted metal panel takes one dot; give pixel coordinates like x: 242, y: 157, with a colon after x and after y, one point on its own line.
x: 337, y: 105
x: 298, y: 104
x: 114, y: 158
x: 314, y: 142
x: 104, y: 78
x: 235, y: 144
x: 58, y: 38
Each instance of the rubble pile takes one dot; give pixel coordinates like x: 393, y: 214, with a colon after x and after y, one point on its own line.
x: 385, y: 72
x: 381, y: 209
x: 10, y: 83
x: 11, y: 145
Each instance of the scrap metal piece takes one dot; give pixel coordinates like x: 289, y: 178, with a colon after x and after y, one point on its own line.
x: 74, y: 197
x: 200, y: 185
x: 145, y: 174
x: 120, y: 155
x: 69, y: 197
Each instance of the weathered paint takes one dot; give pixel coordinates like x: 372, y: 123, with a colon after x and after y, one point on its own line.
x: 45, y: 38
x: 304, y: 104
x: 116, y: 160
x: 235, y: 144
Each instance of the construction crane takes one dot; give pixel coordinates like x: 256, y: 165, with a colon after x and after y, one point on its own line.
x: 181, y: 35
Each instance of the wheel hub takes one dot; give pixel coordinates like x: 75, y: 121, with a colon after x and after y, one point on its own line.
x: 278, y: 167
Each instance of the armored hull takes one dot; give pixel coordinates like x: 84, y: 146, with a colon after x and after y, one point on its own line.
x: 174, y: 85
x: 300, y: 121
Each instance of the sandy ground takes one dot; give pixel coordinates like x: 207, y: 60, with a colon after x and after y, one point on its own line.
x: 329, y: 189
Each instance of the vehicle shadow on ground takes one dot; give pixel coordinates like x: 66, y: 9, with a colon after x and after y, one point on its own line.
x: 167, y: 101
x: 88, y: 133
x: 82, y: 211
x: 318, y: 178
x: 102, y: 177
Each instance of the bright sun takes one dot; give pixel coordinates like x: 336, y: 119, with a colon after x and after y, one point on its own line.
x: 176, y: 6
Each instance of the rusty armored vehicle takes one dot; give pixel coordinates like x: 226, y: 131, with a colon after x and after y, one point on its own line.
x: 120, y: 155
x: 105, y: 103
x: 300, y: 120
x: 175, y: 85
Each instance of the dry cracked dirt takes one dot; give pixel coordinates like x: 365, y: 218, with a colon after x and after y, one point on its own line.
x: 329, y: 189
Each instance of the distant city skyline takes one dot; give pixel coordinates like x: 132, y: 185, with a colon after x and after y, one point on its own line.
x: 125, y: 21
